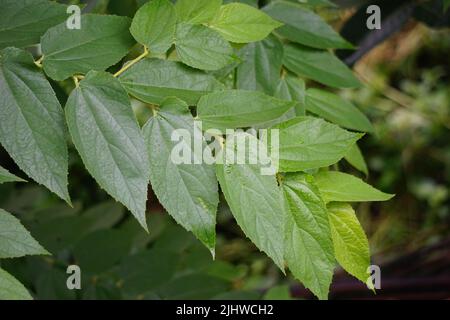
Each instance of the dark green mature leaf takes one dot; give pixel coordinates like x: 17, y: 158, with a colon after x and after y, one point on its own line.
x: 241, y: 23
x: 154, y: 25
x: 107, y: 136
x: 304, y: 26
x: 335, y: 109
x: 339, y: 186
x: 293, y: 88
x: 202, y: 48
x: 308, y: 243
x: 197, y: 11
x: 254, y: 198
x: 6, y: 176
x: 100, y: 42
x: 32, y: 127
x: 318, y: 65
x: 187, y: 189
x: 15, y: 240
x: 308, y: 143
x: 153, y: 80
x: 23, y: 22
x: 351, y: 246
x: 260, y: 70
x: 11, y: 288
x: 239, y: 108
x: 356, y: 159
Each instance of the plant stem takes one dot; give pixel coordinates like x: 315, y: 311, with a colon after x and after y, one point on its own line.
x: 38, y: 62
x: 132, y: 62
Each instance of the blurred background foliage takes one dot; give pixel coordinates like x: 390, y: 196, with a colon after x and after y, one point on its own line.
x: 406, y: 95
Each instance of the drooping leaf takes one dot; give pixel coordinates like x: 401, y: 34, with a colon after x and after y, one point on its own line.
x: 239, y: 108
x: 202, y: 48
x: 184, y: 184
x: 100, y: 42
x: 356, y: 159
x: 261, y: 66
x: 6, y: 176
x: 303, y: 26
x: 11, y: 288
x: 308, y: 243
x: 351, y: 246
x: 153, y: 80
x: 15, y: 240
x: 107, y: 136
x: 308, y: 143
x: 23, y: 22
x: 335, y: 109
x: 197, y: 11
x: 241, y: 23
x: 254, y: 197
x: 339, y: 186
x: 154, y: 25
x: 318, y: 65
x: 32, y: 128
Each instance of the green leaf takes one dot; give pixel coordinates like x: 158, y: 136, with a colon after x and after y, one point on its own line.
x: 107, y: 136
x: 254, y: 199
x: 153, y: 80
x: 305, y: 27
x: 351, y: 246
x: 241, y: 23
x: 202, y: 48
x: 154, y: 25
x: 356, y: 159
x: 280, y: 292
x: 308, y: 143
x: 260, y: 70
x: 101, y: 250
x: 32, y: 128
x: 339, y: 186
x: 308, y: 243
x: 335, y: 109
x: 23, y: 22
x: 239, y: 108
x: 100, y: 42
x: 187, y: 190
x: 11, y: 288
x: 15, y: 240
x: 6, y: 176
x: 446, y: 4
x: 293, y: 88
x: 197, y: 11
x: 320, y: 66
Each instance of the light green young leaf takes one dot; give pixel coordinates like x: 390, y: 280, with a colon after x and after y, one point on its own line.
x: 261, y: 66
x: 107, y: 136
x: 186, y: 188
x: 154, y: 25
x: 318, y: 65
x: 351, y: 246
x: 15, y: 240
x: 23, y: 22
x: 32, y: 128
x: 11, y: 288
x: 308, y: 143
x: 202, y: 48
x: 6, y: 176
x: 304, y: 26
x: 239, y: 108
x: 153, y: 80
x: 339, y: 186
x: 356, y: 159
x: 255, y: 199
x: 333, y: 108
x: 100, y: 42
x: 197, y: 11
x: 241, y: 23
x: 308, y: 243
